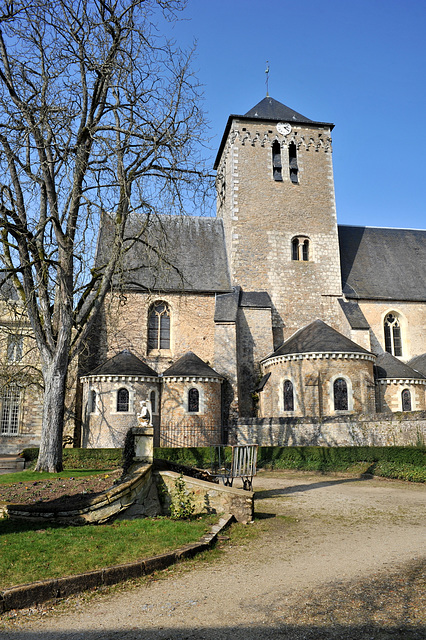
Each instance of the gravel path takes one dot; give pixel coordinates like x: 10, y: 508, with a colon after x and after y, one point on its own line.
x: 328, y: 557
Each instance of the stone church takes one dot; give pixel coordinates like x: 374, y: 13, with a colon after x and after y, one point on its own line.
x: 269, y: 309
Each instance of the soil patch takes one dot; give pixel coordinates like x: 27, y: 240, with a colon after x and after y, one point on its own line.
x: 58, y: 491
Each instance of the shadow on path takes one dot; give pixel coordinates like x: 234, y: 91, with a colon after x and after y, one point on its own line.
x: 301, y: 488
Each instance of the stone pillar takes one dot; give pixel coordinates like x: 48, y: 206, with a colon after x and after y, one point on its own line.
x: 144, y: 444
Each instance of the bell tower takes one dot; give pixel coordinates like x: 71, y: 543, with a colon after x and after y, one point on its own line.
x: 275, y: 194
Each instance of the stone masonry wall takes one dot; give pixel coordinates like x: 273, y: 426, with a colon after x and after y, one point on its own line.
x: 408, y: 429
x: 261, y: 216
x: 313, y: 386
x: 413, y: 323
x: 209, y: 497
x: 191, y: 327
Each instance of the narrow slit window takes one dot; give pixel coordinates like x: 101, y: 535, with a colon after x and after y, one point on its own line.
x: 406, y: 400
x: 295, y: 249
x: 340, y: 391
x: 288, y: 396
x: 15, y: 344
x: 292, y: 163
x: 193, y: 401
x: 152, y: 399
x: 305, y: 250
x: 123, y: 400
x: 93, y: 401
x: 276, y: 162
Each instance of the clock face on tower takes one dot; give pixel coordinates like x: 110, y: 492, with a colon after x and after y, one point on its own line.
x: 283, y: 128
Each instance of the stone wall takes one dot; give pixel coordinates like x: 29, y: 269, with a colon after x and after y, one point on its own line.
x: 412, y: 317
x: 262, y: 216
x: 209, y: 497
x: 125, y: 326
x: 312, y: 379
x: 408, y: 429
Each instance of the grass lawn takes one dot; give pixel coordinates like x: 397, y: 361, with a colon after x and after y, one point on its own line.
x: 29, y: 552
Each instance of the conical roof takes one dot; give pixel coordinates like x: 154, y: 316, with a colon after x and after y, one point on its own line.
x: 387, y: 366
x: 191, y: 365
x: 123, y: 364
x: 271, y: 109
x: 318, y: 337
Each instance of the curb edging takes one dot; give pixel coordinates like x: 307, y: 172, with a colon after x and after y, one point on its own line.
x: 35, y: 593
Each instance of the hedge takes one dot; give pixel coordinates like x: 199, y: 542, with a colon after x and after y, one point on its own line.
x: 405, y: 463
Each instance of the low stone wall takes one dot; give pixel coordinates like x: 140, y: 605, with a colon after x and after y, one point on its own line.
x: 397, y: 429
x: 137, y: 496
x: 209, y: 497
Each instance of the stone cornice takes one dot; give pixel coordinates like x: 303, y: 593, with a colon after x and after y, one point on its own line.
x: 112, y: 378
x: 384, y: 381
x: 317, y: 356
x: 192, y: 379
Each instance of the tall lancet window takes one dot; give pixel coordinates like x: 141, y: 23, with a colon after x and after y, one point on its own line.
x: 292, y: 163
x: 392, y: 327
x: 276, y: 162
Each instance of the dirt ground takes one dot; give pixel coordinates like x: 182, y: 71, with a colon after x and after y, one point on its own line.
x: 327, y: 557
x: 57, y: 491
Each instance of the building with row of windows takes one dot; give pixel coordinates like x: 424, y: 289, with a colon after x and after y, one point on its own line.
x: 269, y: 309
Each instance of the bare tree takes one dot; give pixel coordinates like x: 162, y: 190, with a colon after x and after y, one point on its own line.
x: 98, y: 114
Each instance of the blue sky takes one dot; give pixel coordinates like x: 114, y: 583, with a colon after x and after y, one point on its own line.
x: 359, y: 64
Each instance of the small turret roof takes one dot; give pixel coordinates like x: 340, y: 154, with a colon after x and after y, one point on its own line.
x: 271, y: 109
x: 123, y: 364
x: 387, y: 366
x: 191, y: 365
x: 318, y: 337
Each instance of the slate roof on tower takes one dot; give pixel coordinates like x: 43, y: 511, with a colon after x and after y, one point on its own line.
x: 124, y: 363
x: 271, y: 110
x: 383, y: 264
x: 318, y: 337
x: 191, y: 365
x: 169, y: 253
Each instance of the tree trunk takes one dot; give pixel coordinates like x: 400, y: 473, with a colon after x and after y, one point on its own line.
x: 50, y: 454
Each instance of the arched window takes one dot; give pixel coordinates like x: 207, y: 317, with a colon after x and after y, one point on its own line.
x: 300, y: 248
x: 122, y: 400
x: 10, y: 401
x: 340, y: 394
x: 288, y: 396
x: 152, y: 399
x: 15, y: 344
x: 406, y: 400
x: 305, y: 250
x: 276, y: 162
x: 193, y: 401
x: 159, y: 326
x: 92, y: 402
x: 292, y: 161
x: 392, y: 328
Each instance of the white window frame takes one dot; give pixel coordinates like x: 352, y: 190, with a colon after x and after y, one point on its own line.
x: 331, y: 382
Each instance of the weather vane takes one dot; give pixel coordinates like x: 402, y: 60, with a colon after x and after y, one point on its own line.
x: 267, y: 78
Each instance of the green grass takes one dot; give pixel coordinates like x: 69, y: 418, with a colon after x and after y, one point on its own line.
x: 34, y: 476
x: 36, y: 551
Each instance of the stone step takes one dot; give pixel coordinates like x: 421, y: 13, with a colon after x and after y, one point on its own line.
x: 10, y: 464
